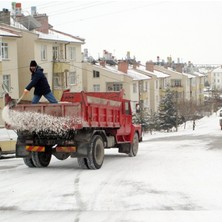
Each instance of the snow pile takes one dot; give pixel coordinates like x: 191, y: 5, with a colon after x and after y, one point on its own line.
x: 38, y: 122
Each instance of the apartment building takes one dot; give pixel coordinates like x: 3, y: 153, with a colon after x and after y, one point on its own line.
x: 120, y: 76
x: 8, y: 63
x: 26, y: 38
x: 199, y: 86
x: 215, y: 78
x: 158, y: 84
x: 58, y: 53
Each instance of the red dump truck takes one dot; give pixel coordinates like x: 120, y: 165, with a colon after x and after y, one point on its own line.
x: 81, y: 125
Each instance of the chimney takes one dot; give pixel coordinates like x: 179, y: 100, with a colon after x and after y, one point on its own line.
x: 102, y: 63
x: 43, y: 20
x: 5, y: 16
x: 136, y: 64
x: 123, y: 66
x: 33, y: 10
x: 150, y: 66
x: 179, y: 67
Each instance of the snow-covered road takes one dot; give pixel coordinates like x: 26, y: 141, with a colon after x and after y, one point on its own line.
x: 175, y: 177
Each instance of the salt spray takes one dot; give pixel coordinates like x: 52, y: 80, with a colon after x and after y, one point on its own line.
x: 33, y: 121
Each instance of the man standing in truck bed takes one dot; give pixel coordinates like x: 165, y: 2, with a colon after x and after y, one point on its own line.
x: 40, y: 83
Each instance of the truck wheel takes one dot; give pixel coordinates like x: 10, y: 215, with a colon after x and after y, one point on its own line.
x: 28, y: 161
x: 134, y: 146
x: 41, y: 159
x: 96, y: 154
x: 82, y: 162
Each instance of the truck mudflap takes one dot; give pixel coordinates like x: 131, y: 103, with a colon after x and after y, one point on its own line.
x: 21, y: 151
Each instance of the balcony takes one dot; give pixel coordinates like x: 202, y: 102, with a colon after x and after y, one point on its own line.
x: 60, y: 66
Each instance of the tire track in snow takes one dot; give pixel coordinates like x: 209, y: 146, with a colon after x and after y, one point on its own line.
x: 77, y: 195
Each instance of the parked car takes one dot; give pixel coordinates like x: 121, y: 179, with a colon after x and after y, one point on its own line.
x: 7, y: 141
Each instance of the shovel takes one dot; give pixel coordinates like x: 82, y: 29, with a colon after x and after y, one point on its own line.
x: 12, y: 103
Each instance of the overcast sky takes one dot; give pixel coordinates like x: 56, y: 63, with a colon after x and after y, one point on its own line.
x: 185, y: 30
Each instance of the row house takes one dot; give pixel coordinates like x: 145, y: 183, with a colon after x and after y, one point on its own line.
x: 158, y: 83
x: 188, y: 86
x: 8, y: 63
x: 176, y: 81
x: 31, y: 38
x: 58, y: 53
x: 199, y: 87
x: 215, y: 78
x: 104, y: 77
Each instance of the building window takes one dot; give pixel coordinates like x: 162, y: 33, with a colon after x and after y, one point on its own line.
x: 145, y: 86
x: 72, y: 78
x: 96, y: 88
x: 72, y: 53
x: 7, y: 82
x: 114, y: 86
x: 4, y: 50
x: 175, y: 83
x: 134, y: 88
x: 43, y: 52
x: 96, y: 74
x: 127, y: 108
x: 117, y: 86
x: 55, y: 52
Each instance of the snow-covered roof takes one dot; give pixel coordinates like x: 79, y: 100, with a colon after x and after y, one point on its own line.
x: 198, y: 74
x: 136, y: 75
x: 218, y: 69
x: 17, y: 24
x: 158, y: 74
x: 58, y: 36
x: 190, y: 76
x: 112, y: 69
x: 6, y: 33
x: 130, y: 72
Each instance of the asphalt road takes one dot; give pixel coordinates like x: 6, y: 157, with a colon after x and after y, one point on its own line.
x: 170, y: 175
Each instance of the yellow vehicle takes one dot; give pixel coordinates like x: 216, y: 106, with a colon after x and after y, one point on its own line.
x: 7, y: 141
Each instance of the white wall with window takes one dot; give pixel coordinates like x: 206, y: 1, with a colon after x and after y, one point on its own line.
x: 43, y: 52
x: 114, y: 86
x: 55, y: 52
x: 9, y: 66
x: 6, y: 80
x: 4, y: 50
x: 96, y: 74
x: 145, y: 86
x: 72, y: 53
x: 96, y: 88
x: 72, y: 79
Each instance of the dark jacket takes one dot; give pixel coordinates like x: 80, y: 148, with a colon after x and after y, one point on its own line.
x: 39, y: 82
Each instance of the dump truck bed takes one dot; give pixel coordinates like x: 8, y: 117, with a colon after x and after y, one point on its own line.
x: 81, y: 110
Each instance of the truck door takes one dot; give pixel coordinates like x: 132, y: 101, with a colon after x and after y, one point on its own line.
x: 127, y: 117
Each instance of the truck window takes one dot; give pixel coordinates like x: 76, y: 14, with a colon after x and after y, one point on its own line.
x: 127, y: 108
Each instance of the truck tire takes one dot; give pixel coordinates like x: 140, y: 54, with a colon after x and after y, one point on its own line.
x: 96, y: 154
x: 28, y: 161
x: 82, y: 162
x: 134, y: 146
x: 41, y: 159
